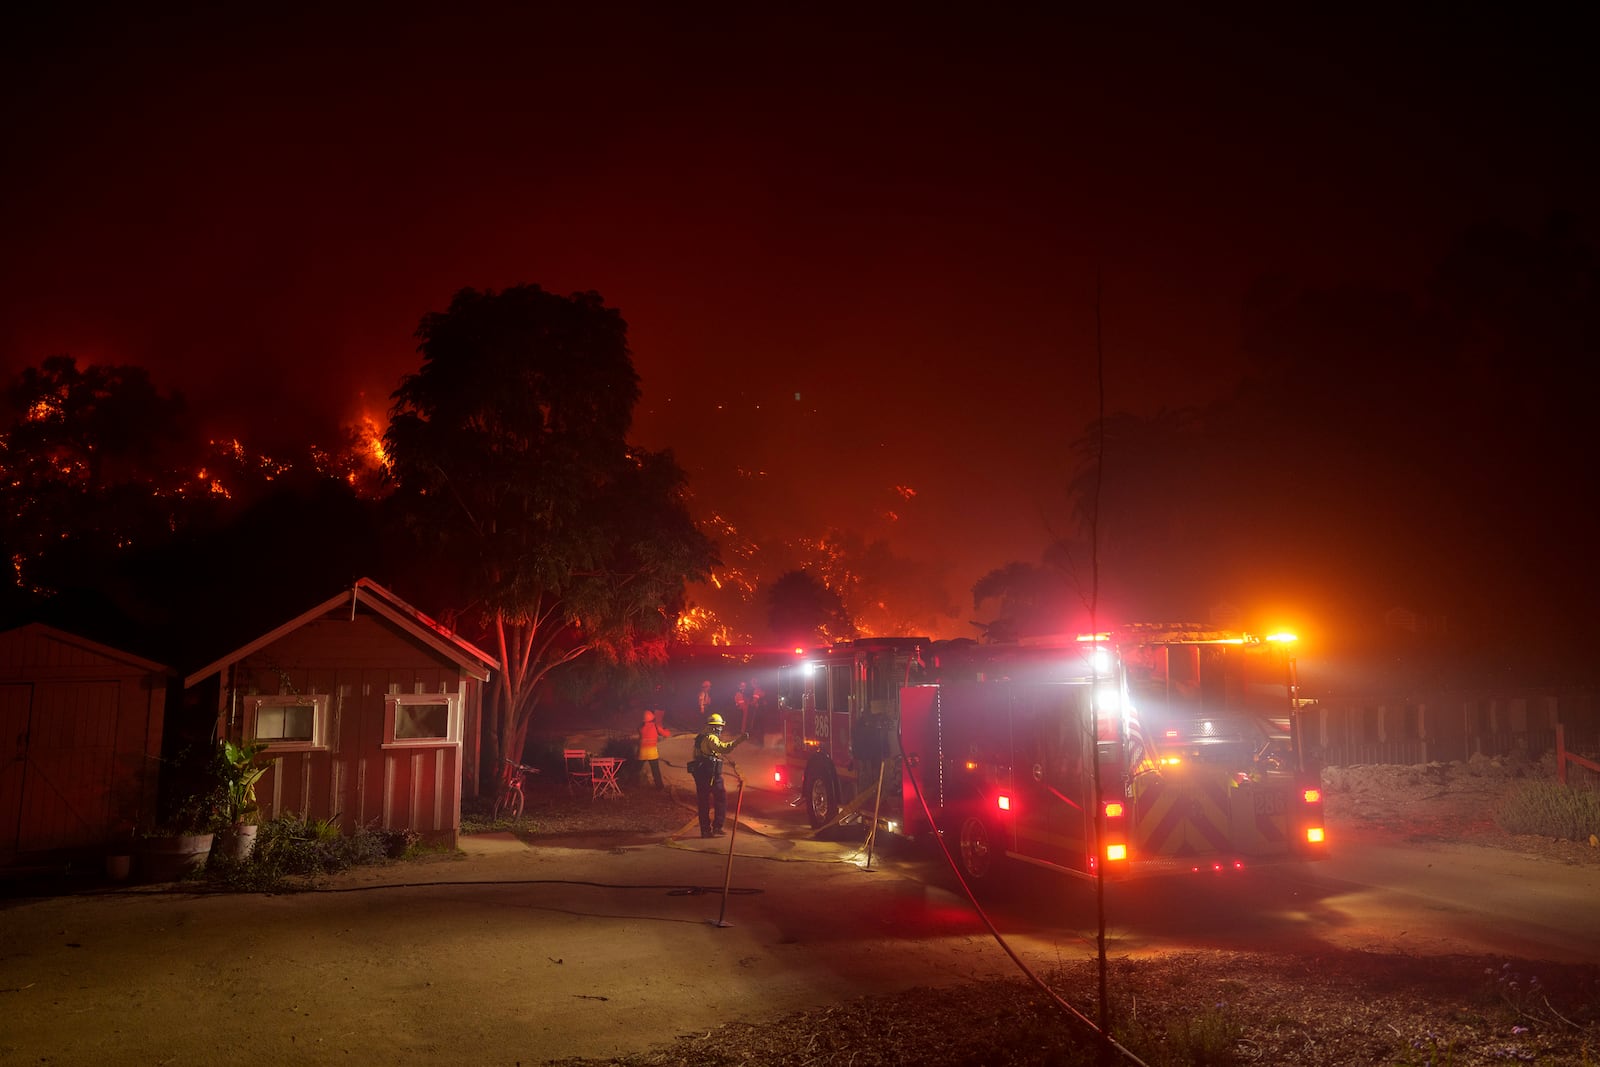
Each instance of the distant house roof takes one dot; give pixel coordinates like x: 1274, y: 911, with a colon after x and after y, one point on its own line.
x: 93, y: 647
x: 367, y: 593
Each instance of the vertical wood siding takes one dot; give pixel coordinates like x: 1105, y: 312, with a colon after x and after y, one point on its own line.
x: 357, y: 664
x: 80, y: 734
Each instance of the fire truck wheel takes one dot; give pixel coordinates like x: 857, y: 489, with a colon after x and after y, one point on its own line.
x: 822, y: 802
x: 977, y: 849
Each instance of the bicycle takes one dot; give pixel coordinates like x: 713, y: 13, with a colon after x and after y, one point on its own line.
x: 510, y: 800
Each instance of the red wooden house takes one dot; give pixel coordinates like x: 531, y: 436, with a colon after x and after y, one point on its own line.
x: 369, y: 709
x: 80, y: 743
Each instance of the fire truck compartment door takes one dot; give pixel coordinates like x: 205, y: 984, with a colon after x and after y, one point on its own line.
x: 919, y: 736
x: 1051, y: 776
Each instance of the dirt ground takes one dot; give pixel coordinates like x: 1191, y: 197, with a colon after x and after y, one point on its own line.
x: 118, y: 978
x: 1343, y: 1008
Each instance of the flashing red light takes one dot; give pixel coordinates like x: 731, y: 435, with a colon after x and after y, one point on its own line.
x: 1116, y: 853
x: 1113, y: 809
x: 1313, y: 796
x: 799, y: 651
x: 1004, y: 802
x: 1314, y: 835
x: 777, y: 775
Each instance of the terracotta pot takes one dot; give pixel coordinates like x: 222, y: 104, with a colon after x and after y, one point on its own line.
x: 237, y: 842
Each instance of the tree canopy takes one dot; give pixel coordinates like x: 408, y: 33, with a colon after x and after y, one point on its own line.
x: 97, y: 463
x: 509, y: 453
x: 802, y: 609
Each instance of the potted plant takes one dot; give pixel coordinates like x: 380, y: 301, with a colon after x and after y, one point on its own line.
x: 181, y: 843
x: 193, y: 809
x: 119, y: 853
x: 240, y: 767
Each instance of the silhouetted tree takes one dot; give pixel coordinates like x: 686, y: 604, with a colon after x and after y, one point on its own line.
x: 1031, y: 600
x: 509, y: 452
x: 882, y: 592
x: 801, y: 609
x: 96, y: 464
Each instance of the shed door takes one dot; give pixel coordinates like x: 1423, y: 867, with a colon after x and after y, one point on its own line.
x: 14, y: 703
x: 68, y: 766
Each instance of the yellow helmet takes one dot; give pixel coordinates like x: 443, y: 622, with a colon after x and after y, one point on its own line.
x: 715, y: 720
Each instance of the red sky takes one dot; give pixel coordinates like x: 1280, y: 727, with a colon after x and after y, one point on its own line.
x: 898, y: 220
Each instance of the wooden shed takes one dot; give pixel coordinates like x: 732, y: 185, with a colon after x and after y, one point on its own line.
x: 80, y: 726
x: 369, y: 709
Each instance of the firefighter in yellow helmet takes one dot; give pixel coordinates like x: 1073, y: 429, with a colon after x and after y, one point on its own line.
x: 712, y: 795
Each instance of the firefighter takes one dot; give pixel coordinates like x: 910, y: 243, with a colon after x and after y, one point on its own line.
x: 650, y: 732
x: 712, y: 795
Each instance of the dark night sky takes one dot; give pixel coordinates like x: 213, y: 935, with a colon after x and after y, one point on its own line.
x: 899, y: 219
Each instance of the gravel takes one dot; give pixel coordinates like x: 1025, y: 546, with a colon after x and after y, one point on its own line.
x: 1222, y: 1007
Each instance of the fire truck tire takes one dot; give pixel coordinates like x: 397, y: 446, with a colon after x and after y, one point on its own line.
x: 977, y: 850
x: 822, y: 799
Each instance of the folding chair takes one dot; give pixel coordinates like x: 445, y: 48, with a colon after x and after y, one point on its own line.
x: 577, y: 761
x: 603, y: 781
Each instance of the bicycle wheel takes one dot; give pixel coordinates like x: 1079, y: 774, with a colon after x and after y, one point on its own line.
x: 509, y: 803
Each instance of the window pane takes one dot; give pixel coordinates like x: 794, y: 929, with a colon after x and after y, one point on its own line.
x: 285, y: 722
x: 414, y: 721
x: 841, y: 678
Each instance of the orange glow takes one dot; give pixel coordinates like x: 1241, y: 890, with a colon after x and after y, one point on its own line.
x: 1313, y: 796
x: 1116, y: 853
x: 1113, y: 809
x: 1314, y: 835
x: 369, y: 435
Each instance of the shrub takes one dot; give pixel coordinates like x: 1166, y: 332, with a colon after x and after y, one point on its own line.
x: 292, y: 846
x: 1550, y: 809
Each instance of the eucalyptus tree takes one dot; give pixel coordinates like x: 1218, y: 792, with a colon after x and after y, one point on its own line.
x: 509, y: 453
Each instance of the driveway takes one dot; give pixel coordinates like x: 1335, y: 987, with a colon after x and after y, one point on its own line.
x: 509, y: 954
x: 505, y: 954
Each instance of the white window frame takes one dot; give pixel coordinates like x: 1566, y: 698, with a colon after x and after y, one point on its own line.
x: 392, y: 703
x: 319, y: 720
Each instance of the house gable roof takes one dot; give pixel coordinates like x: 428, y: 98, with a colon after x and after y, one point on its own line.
x: 94, y: 648
x: 369, y: 594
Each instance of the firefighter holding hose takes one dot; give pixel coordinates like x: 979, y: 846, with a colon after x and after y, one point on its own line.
x: 709, y: 748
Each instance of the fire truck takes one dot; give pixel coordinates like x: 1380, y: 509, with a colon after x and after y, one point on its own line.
x: 1151, y: 749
